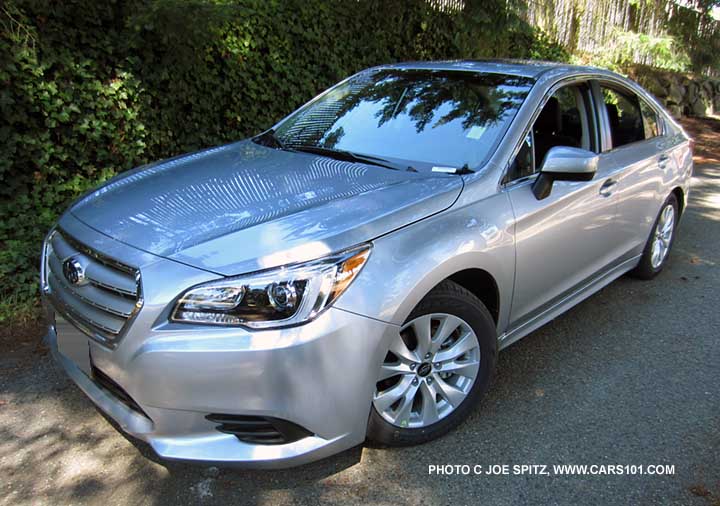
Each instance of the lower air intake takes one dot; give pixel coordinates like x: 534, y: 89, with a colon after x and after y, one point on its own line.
x: 262, y: 430
x: 106, y: 383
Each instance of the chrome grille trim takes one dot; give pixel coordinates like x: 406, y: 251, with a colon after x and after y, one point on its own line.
x: 100, y: 271
x: 111, y: 262
x: 83, y: 322
x: 100, y: 308
x: 94, y: 313
x: 119, y: 306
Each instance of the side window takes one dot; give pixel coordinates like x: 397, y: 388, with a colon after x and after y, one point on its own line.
x: 524, y: 164
x: 563, y: 121
x: 626, y: 120
x: 650, y: 120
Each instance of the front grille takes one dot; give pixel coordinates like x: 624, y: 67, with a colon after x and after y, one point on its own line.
x: 106, y: 383
x: 101, y: 305
x: 259, y: 429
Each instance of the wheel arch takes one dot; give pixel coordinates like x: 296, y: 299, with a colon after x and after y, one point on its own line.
x: 680, y: 196
x: 484, y: 282
x: 482, y: 285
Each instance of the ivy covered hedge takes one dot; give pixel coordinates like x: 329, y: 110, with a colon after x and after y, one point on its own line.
x: 89, y: 89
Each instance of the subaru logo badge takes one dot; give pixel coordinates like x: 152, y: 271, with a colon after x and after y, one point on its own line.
x: 74, y: 271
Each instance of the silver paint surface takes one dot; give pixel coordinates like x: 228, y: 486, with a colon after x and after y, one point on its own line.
x: 238, y: 208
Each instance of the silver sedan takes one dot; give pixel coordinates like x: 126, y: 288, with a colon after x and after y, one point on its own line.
x: 353, y: 271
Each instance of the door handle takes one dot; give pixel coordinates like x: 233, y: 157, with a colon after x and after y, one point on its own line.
x: 663, y: 160
x: 607, y: 187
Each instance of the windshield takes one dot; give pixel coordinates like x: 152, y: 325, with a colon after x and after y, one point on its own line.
x: 426, y: 118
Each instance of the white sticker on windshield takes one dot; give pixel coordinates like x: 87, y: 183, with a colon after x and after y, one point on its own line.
x: 476, y: 132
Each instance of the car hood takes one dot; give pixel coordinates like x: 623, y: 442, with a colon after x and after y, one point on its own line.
x: 245, y: 207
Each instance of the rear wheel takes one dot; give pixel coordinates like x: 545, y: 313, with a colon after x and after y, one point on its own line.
x: 661, y: 240
x: 436, y: 369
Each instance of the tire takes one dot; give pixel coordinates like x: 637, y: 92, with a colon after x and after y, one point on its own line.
x: 442, y: 308
x: 649, y: 266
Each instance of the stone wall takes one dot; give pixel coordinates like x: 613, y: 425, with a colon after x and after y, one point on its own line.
x: 682, y: 94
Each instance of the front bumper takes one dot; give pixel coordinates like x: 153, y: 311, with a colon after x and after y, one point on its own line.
x: 320, y: 376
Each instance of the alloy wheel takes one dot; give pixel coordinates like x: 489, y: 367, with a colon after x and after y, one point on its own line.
x: 428, y: 372
x: 663, y: 236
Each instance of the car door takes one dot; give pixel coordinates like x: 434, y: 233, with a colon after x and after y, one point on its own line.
x: 641, y: 151
x: 566, y: 239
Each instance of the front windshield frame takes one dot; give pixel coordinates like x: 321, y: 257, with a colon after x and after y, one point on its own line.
x: 525, y: 81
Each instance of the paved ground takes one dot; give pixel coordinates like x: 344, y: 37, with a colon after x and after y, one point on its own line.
x: 630, y: 376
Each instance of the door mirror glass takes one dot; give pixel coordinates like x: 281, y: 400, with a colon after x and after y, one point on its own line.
x: 564, y: 163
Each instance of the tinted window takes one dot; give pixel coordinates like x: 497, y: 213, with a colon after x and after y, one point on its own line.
x: 424, y: 117
x: 626, y: 121
x: 524, y: 164
x: 650, y: 121
x: 561, y: 123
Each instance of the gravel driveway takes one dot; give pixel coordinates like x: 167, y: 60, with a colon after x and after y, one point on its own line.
x: 630, y: 376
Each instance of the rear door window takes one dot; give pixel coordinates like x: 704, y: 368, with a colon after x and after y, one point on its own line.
x: 651, y: 123
x: 626, y: 119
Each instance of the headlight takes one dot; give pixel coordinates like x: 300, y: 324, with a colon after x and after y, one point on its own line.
x: 278, y: 297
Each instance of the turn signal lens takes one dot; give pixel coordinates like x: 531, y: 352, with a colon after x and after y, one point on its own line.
x: 347, y: 272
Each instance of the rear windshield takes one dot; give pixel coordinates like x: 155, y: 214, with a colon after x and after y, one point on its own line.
x: 425, y: 117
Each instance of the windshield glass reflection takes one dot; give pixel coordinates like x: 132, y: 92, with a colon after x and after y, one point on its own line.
x: 424, y: 117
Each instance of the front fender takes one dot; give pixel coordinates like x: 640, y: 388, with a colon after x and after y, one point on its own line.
x: 406, y: 264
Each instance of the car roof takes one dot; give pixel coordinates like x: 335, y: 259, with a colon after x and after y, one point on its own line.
x: 525, y: 68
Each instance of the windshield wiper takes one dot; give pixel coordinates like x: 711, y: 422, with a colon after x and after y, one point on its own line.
x: 269, y: 139
x: 348, y: 156
x: 462, y: 171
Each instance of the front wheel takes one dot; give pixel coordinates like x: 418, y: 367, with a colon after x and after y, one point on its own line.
x: 436, y: 369
x: 661, y: 240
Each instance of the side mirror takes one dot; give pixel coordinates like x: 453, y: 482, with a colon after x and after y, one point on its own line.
x: 563, y: 163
